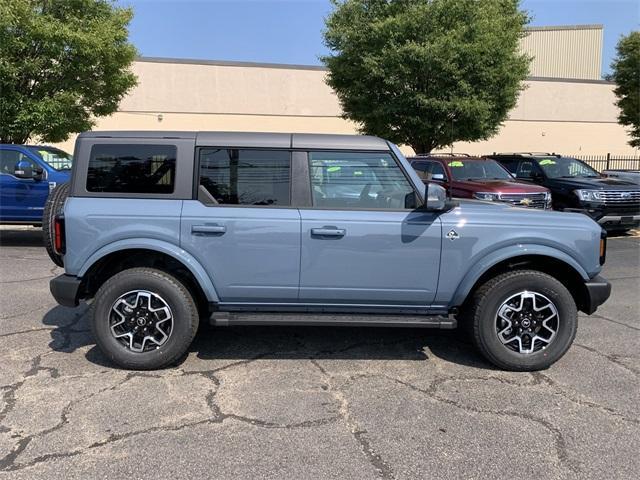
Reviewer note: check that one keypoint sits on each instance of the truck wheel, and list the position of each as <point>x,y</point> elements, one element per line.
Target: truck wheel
<point>52,207</point>
<point>143,319</point>
<point>523,320</point>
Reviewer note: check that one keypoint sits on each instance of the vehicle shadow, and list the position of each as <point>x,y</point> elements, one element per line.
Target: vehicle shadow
<point>71,332</point>
<point>21,237</point>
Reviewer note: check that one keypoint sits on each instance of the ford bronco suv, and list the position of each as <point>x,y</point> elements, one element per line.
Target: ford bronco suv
<point>464,176</point>
<point>161,230</point>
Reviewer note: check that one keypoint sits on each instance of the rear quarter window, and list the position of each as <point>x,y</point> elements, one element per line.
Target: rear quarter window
<point>132,169</point>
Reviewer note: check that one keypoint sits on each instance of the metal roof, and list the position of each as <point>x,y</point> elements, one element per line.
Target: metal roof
<point>256,139</point>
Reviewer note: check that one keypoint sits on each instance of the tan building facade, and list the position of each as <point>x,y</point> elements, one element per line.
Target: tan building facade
<point>561,115</point>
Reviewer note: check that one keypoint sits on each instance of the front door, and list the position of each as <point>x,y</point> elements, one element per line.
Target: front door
<point>362,242</point>
<point>242,228</point>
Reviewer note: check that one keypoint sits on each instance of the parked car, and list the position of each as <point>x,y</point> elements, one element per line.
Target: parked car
<point>163,229</point>
<point>27,174</point>
<point>577,187</point>
<point>464,176</point>
<point>628,175</point>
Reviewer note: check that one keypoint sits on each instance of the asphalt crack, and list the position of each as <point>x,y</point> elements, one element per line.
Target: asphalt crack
<point>560,443</point>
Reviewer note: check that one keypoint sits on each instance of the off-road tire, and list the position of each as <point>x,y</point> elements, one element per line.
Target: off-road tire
<point>52,207</point>
<point>479,319</point>
<point>173,292</point>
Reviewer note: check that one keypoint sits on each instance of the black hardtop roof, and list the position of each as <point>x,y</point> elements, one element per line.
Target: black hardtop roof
<point>256,139</point>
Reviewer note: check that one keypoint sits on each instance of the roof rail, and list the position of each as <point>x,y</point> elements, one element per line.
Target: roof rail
<point>448,154</point>
<point>529,154</point>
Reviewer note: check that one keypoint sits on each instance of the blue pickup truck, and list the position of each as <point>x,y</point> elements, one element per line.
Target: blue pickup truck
<point>27,174</point>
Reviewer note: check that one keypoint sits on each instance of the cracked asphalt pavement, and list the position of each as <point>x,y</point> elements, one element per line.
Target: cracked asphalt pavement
<point>285,402</point>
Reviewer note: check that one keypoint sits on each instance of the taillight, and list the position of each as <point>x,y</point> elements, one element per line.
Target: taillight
<point>603,246</point>
<point>59,243</point>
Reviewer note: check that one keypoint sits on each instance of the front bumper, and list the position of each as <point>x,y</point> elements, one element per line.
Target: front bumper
<point>65,289</point>
<point>598,291</point>
<point>610,216</point>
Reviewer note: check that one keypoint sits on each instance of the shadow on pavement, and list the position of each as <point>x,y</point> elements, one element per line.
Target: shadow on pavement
<point>72,332</point>
<point>21,237</point>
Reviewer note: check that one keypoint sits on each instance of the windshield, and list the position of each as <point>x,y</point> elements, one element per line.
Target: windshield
<point>478,170</point>
<point>566,167</point>
<point>55,158</point>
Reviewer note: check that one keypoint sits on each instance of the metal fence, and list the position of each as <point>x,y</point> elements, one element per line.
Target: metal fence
<point>609,161</point>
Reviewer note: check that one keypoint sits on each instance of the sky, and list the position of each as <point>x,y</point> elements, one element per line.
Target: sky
<point>290,31</point>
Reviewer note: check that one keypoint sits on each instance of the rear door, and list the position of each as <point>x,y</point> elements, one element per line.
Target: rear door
<point>363,242</point>
<point>242,227</point>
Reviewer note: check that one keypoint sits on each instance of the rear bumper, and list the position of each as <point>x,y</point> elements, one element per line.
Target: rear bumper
<point>598,291</point>
<point>65,289</point>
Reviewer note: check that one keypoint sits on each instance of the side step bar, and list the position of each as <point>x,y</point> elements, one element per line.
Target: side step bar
<point>423,321</point>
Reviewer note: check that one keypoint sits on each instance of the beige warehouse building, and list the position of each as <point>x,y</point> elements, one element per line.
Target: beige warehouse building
<point>565,107</point>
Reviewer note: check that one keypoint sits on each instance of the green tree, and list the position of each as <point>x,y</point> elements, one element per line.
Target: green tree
<point>62,63</point>
<point>426,73</point>
<point>626,74</point>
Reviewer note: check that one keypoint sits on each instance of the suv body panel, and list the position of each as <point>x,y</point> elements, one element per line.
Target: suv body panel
<point>349,269</point>
<point>253,254</point>
<point>562,236</point>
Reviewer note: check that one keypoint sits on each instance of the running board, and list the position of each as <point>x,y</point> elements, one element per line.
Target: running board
<point>241,318</point>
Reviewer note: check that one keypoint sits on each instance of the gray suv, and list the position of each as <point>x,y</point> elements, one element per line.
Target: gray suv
<point>162,230</point>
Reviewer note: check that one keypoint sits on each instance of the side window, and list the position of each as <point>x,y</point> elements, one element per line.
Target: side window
<point>359,180</point>
<point>422,169</point>
<point>527,169</point>
<point>134,168</point>
<point>245,177</point>
<point>510,165</point>
<point>10,158</point>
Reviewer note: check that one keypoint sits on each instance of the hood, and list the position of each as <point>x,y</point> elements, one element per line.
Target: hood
<point>599,183</point>
<point>499,186</point>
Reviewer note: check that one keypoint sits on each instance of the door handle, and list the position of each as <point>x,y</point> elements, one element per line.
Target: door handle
<point>208,229</point>
<point>328,232</point>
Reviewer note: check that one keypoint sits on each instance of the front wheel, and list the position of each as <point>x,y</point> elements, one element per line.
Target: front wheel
<point>143,319</point>
<point>522,320</point>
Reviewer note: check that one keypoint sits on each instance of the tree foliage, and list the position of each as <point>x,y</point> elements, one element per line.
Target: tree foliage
<point>426,72</point>
<point>626,74</point>
<point>62,63</point>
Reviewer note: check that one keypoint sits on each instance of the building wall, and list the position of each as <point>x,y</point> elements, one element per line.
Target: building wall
<point>565,51</point>
<point>552,114</point>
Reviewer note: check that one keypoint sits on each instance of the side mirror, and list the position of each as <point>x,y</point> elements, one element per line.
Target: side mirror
<point>438,176</point>
<point>23,170</point>
<point>435,197</point>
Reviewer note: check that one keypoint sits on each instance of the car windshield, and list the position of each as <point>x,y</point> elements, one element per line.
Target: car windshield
<point>55,158</point>
<point>566,167</point>
<point>465,169</point>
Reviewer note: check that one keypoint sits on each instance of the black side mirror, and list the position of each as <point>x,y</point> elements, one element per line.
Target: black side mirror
<point>23,170</point>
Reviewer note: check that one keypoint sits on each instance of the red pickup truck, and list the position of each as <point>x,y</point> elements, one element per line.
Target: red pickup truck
<point>481,178</point>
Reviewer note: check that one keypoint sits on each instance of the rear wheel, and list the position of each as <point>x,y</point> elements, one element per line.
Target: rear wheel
<point>52,207</point>
<point>143,319</point>
<point>523,320</point>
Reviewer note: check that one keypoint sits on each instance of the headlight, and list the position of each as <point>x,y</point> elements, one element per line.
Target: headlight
<point>548,201</point>
<point>486,196</point>
<point>588,195</point>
